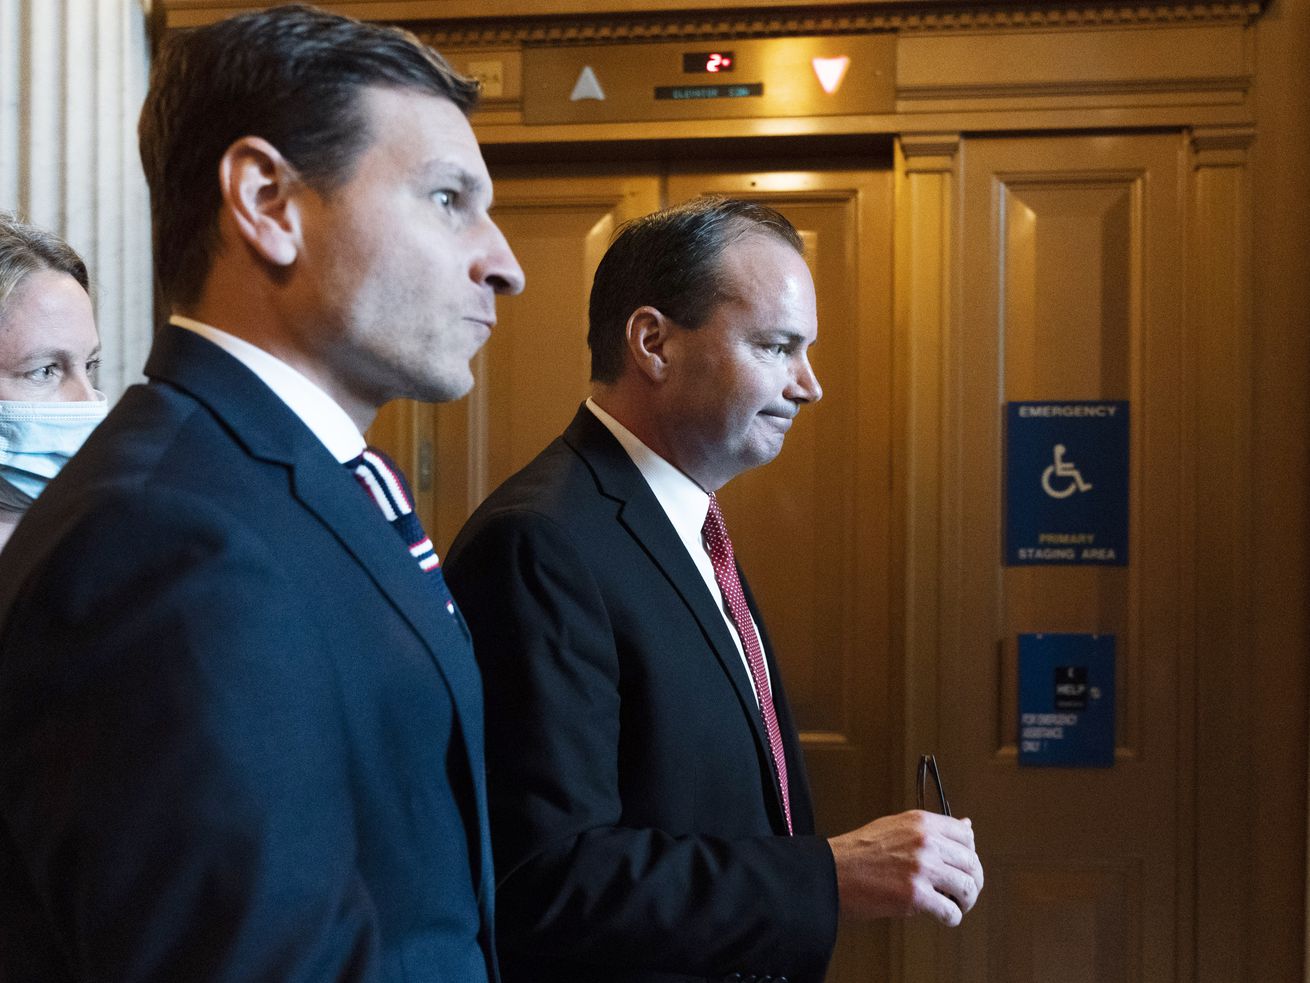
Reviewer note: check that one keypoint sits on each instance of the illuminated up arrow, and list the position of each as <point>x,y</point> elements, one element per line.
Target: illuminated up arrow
<point>831,71</point>
<point>587,86</point>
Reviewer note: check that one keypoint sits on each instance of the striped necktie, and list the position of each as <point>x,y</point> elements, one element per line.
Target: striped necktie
<point>385,483</point>
<point>725,572</point>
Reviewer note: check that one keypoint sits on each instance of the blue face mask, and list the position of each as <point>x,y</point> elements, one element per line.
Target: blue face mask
<point>36,441</point>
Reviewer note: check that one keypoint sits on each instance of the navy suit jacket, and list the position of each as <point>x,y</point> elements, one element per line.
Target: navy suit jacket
<point>638,830</point>
<point>240,732</point>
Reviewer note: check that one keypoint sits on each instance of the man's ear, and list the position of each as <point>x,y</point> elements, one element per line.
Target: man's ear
<point>648,334</point>
<point>258,186</point>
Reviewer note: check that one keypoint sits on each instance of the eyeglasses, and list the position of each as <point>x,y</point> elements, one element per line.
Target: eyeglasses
<point>928,766</point>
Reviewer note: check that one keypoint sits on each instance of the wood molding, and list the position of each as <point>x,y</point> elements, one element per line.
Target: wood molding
<point>746,23</point>
<point>917,146</point>
<point>475,23</point>
<point>1220,418</point>
<point>1214,144</point>
<point>1209,65</point>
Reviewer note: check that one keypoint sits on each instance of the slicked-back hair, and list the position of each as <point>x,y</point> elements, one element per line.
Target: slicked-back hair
<point>671,260</point>
<point>293,75</point>
<point>27,249</point>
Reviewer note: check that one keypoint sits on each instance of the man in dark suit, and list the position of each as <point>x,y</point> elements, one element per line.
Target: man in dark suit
<point>649,806</point>
<point>240,721</point>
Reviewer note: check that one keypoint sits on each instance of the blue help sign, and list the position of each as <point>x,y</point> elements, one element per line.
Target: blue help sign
<point>1066,700</point>
<point>1066,483</point>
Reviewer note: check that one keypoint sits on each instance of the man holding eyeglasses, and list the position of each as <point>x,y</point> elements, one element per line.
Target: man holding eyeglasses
<point>650,816</point>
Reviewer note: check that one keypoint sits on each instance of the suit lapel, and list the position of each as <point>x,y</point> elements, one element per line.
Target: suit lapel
<point>270,431</point>
<point>641,514</point>
<point>331,494</point>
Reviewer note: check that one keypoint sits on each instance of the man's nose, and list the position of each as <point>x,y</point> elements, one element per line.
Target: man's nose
<point>498,266</point>
<point>805,386</point>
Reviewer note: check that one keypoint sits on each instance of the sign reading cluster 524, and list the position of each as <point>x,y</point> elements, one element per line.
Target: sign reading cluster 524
<point>1067,483</point>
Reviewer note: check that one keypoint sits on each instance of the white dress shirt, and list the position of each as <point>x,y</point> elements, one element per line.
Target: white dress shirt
<point>319,411</point>
<point>686,504</point>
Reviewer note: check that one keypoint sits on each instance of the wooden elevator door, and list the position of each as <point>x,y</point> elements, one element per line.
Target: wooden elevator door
<point>811,528</point>
<point>893,637</point>
<point>1071,270</point>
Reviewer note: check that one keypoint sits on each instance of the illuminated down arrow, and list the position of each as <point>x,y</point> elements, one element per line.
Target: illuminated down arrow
<point>831,71</point>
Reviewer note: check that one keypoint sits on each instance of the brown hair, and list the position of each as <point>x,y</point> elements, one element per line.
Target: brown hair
<point>292,75</point>
<point>669,260</point>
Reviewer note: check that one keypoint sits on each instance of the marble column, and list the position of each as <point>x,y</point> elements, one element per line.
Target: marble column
<point>72,77</point>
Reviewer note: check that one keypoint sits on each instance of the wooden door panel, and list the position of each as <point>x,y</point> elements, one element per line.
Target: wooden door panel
<point>1070,266</point>
<point>1056,918</point>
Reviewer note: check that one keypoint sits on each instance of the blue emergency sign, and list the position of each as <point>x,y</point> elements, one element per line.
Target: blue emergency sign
<point>1066,483</point>
<point>1066,700</point>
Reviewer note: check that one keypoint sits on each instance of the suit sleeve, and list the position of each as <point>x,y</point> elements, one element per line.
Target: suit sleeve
<point>575,882</point>
<point>172,766</point>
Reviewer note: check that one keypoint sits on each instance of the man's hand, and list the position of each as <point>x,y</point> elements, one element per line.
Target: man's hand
<point>913,863</point>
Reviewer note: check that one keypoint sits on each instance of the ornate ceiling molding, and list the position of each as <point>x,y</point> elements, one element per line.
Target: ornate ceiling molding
<point>618,29</point>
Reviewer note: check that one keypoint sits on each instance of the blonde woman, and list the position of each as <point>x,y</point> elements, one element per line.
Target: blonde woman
<point>49,350</point>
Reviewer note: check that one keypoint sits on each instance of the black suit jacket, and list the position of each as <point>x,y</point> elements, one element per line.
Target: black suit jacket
<point>240,734</point>
<point>638,831</point>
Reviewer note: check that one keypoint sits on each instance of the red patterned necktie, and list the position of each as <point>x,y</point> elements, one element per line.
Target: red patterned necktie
<point>725,572</point>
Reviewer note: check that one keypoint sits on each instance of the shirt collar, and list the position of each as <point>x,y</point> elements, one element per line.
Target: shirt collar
<point>316,409</point>
<point>683,501</point>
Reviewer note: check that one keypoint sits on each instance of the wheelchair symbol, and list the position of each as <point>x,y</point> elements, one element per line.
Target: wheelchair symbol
<point>1063,469</point>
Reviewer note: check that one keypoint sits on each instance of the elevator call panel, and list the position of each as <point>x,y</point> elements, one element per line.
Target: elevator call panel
<point>754,78</point>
